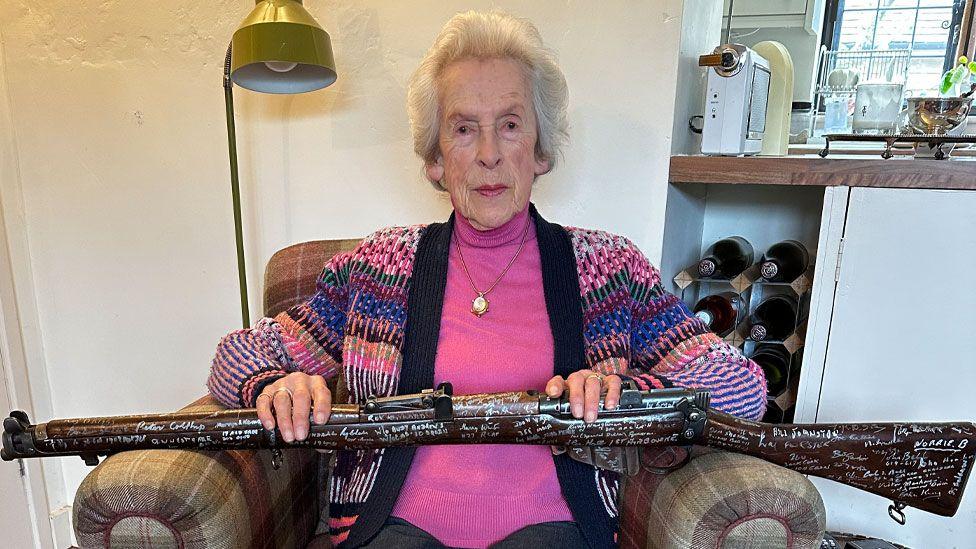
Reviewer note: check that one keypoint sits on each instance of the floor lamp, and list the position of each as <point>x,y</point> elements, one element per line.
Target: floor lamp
<point>279,48</point>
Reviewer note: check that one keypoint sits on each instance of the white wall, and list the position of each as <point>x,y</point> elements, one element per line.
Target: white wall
<point>700,32</point>
<point>117,118</point>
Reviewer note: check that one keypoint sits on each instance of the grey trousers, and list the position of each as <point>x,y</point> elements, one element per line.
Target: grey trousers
<point>400,534</point>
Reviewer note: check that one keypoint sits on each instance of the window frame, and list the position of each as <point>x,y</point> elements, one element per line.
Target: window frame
<point>957,44</point>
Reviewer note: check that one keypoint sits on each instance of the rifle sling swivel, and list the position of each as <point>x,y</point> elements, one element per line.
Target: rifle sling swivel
<point>896,512</point>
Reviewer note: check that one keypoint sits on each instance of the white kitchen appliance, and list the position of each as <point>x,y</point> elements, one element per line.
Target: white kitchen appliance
<point>735,105</point>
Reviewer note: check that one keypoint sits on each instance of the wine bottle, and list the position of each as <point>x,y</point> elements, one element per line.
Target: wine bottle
<point>775,414</point>
<point>775,363</point>
<point>774,318</point>
<point>719,311</point>
<point>726,258</point>
<point>785,261</point>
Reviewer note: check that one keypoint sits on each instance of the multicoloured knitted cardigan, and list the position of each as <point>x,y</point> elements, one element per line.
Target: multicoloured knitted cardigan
<point>607,312</point>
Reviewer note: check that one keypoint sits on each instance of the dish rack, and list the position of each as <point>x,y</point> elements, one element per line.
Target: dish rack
<point>870,65</point>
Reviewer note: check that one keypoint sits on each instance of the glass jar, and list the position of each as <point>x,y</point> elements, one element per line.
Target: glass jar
<point>800,116</point>
<point>836,111</point>
<point>876,108</point>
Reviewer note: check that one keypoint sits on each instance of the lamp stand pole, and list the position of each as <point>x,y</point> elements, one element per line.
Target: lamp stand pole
<point>235,188</point>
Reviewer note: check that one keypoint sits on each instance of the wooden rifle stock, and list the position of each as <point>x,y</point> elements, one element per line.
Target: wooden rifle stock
<point>924,465</point>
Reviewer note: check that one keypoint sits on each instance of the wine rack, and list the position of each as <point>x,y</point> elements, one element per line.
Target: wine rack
<point>752,290</point>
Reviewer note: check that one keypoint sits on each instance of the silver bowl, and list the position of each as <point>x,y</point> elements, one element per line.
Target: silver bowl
<point>937,115</point>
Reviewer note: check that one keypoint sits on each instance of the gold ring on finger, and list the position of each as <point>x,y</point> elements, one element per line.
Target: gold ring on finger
<point>291,395</point>
<point>596,375</point>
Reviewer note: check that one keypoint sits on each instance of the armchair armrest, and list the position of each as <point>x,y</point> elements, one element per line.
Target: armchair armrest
<point>719,500</point>
<point>184,498</point>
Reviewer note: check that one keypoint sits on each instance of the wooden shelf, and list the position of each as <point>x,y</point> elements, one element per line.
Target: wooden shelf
<point>852,171</point>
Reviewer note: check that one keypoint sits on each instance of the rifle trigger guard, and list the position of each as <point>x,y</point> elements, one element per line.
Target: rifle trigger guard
<point>895,512</point>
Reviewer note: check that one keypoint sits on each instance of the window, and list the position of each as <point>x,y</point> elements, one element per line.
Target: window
<point>929,29</point>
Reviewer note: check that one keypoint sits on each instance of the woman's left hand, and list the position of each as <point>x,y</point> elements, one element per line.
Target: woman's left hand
<point>585,388</point>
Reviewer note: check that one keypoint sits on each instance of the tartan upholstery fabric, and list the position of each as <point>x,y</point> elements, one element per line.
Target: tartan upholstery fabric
<point>291,272</point>
<point>759,532</point>
<point>720,500</point>
<point>289,279</point>
<point>185,499</point>
<point>192,499</point>
<point>320,541</point>
<point>139,530</point>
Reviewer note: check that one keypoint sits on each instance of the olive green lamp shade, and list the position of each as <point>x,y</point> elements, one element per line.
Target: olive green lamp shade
<point>280,48</point>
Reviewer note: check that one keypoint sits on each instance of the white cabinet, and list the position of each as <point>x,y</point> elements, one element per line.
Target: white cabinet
<point>807,14</point>
<point>766,7</point>
<point>892,320</point>
<point>902,340</point>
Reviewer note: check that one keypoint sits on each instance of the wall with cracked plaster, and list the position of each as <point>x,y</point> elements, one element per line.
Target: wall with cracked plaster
<point>118,118</point>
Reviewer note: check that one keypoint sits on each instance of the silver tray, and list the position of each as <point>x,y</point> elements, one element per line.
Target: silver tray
<point>935,141</point>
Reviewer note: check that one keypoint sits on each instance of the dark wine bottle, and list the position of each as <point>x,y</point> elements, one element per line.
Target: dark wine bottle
<point>727,258</point>
<point>774,318</point>
<point>785,261</point>
<point>719,311</point>
<point>775,414</point>
<point>775,363</point>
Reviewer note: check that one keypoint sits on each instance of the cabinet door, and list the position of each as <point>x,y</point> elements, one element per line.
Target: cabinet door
<point>901,340</point>
<point>772,14</point>
<point>749,8</point>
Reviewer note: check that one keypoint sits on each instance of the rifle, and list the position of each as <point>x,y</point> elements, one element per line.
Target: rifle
<point>923,465</point>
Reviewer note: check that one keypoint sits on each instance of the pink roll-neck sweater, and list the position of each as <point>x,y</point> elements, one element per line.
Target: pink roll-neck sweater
<point>472,496</point>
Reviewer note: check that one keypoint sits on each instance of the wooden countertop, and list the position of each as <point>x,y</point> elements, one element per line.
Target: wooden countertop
<point>855,171</point>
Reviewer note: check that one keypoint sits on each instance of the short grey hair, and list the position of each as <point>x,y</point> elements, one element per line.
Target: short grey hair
<point>489,35</point>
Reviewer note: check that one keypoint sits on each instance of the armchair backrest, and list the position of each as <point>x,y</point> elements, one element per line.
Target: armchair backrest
<point>290,275</point>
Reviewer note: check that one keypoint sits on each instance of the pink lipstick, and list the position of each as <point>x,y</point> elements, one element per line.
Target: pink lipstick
<point>491,190</point>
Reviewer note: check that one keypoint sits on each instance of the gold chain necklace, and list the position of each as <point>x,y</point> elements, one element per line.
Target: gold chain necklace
<point>479,305</point>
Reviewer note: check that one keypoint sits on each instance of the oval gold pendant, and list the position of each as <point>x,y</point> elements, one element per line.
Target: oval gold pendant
<point>479,306</point>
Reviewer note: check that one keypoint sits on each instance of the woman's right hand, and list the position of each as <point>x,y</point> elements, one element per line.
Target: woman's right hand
<point>290,400</point>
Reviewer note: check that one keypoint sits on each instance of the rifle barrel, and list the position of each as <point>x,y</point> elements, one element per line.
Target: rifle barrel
<point>502,418</point>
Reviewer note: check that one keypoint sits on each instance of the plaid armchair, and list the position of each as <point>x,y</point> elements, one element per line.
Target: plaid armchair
<point>235,499</point>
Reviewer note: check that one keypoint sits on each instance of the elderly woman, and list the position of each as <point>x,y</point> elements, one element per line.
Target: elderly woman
<point>494,299</point>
